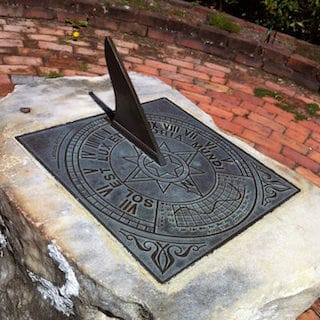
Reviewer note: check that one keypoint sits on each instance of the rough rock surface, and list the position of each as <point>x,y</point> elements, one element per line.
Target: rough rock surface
<point>66,265</point>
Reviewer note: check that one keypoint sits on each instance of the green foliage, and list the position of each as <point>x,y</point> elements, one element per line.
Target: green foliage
<point>300,18</point>
<point>286,107</point>
<point>300,112</point>
<point>220,21</point>
<point>76,23</point>
<point>312,109</point>
<point>262,92</point>
<point>300,116</point>
<point>294,16</point>
<point>53,75</point>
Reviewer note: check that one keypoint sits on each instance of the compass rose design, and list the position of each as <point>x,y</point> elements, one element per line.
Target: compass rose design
<point>178,172</point>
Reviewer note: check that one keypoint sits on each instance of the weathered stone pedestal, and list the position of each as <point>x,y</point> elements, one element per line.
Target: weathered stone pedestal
<point>73,267</point>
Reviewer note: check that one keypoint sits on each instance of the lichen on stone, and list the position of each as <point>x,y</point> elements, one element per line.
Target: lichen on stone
<point>3,243</point>
<point>59,297</point>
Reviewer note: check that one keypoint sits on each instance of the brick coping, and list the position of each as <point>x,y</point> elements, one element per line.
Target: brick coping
<point>37,45</point>
<point>273,59</point>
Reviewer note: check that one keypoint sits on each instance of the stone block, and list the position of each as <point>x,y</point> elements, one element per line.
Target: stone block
<point>79,267</point>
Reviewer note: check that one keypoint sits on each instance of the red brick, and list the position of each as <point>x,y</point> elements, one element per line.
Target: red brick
<point>276,156</point>
<point>227,125</point>
<point>16,69</point>
<point>87,52</point>
<point>303,98</point>
<point>225,98</point>
<point>247,97</point>
<point>81,43</point>
<point>126,44</point>
<point>313,145</point>
<point>188,87</point>
<point>240,111</point>
<point>300,159</point>
<point>43,37</point>
<point>310,125</point>
<point>266,122</point>
<point>179,63</point>
<point>276,87</point>
<point>54,46</point>
<point>102,33</point>
<point>30,61</point>
<point>10,35</point>
<point>158,34</point>
<point>145,69</point>
<point>133,28</point>
<point>121,50</point>
<point>176,76</point>
<point>316,306</point>
<point>217,67</point>
<point>308,315</point>
<point>240,86</point>
<point>314,155</point>
<point>219,112</point>
<point>5,89</point>
<point>215,87</point>
<point>194,74</point>
<point>297,133</point>
<point>193,43</point>
<point>39,13</point>
<point>5,79</point>
<point>314,178</point>
<point>261,140</point>
<point>274,109</point>
<point>196,97</point>
<point>54,32</point>
<point>285,119</point>
<point>165,80</point>
<point>218,80</point>
<point>209,71</point>
<point>10,43</point>
<point>160,65</point>
<point>249,106</point>
<point>93,68</point>
<point>248,61</point>
<point>131,59</point>
<point>270,100</point>
<point>16,28</point>
<point>291,143</point>
<point>106,23</point>
<point>11,11</point>
<point>302,64</point>
<point>316,136</point>
<point>254,126</point>
<point>46,70</point>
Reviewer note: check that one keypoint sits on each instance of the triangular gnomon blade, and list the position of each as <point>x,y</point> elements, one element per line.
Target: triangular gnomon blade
<point>129,118</point>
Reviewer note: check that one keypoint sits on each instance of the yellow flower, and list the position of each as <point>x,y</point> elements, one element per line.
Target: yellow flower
<point>76,34</point>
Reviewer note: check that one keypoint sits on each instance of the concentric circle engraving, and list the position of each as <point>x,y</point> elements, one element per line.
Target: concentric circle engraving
<point>204,188</point>
<point>166,216</point>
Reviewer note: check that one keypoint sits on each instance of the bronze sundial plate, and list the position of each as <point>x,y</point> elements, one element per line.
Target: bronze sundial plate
<point>167,216</point>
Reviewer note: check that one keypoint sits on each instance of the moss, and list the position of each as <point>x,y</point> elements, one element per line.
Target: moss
<point>53,75</point>
<point>84,67</point>
<point>300,116</point>
<point>312,109</point>
<point>286,107</point>
<point>222,22</point>
<point>262,92</point>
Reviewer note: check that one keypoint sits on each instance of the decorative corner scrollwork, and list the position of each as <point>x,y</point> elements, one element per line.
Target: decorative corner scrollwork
<point>271,185</point>
<point>163,254</point>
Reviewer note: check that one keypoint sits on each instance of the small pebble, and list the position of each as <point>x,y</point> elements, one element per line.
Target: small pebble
<point>25,110</point>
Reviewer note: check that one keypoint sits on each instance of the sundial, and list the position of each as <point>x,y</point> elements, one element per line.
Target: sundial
<point>168,187</point>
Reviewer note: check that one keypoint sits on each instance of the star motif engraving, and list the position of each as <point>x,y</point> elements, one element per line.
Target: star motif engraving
<point>178,171</point>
